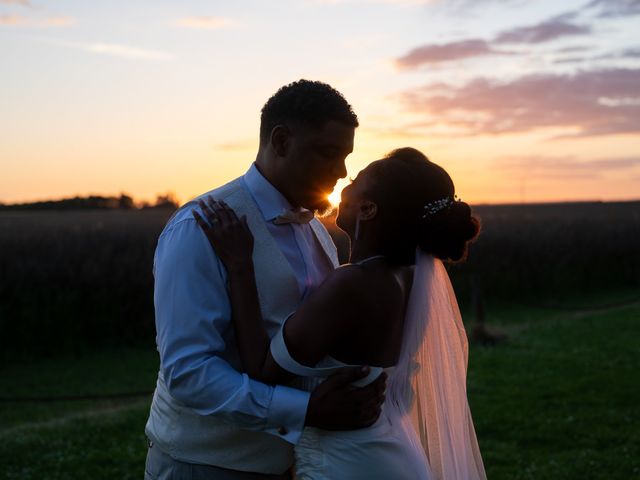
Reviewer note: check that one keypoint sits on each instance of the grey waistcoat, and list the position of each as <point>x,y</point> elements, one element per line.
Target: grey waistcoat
<point>194,438</point>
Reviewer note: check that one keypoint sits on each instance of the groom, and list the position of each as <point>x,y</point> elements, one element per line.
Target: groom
<point>207,420</point>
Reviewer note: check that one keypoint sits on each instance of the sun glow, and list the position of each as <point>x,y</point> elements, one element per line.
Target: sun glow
<point>334,197</point>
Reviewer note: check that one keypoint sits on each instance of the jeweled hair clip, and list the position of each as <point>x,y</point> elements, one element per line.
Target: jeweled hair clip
<point>436,206</point>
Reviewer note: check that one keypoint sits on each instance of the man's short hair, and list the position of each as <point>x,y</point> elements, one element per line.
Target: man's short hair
<point>307,103</point>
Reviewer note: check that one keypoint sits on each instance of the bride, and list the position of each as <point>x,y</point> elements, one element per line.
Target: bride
<point>391,308</point>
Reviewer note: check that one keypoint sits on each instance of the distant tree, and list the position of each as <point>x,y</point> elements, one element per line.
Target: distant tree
<point>168,200</point>
<point>125,202</point>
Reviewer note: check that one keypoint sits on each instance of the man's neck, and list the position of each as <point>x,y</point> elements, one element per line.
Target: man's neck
<point>272,179</point>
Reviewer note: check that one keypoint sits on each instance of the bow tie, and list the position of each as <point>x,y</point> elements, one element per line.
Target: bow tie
<point>298,215</point>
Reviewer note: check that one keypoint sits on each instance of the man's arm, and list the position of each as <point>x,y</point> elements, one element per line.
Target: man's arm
<point>192,310</point>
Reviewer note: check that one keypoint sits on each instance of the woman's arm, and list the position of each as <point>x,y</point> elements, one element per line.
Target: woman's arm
<point>309,334</point>
<point>233,242</point>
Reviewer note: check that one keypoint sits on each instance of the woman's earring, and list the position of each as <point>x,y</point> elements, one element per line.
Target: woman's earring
<point>357,234</point>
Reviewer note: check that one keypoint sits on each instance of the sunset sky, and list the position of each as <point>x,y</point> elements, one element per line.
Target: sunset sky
<point>519,100</point>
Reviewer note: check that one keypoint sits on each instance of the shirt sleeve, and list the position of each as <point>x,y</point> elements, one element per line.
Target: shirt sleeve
<point>192,312</point>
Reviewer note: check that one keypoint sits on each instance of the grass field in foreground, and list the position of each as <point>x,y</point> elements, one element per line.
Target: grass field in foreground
<point>557,400</point>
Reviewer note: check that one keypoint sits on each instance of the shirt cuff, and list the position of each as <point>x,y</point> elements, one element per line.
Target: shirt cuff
<point>287,412</point>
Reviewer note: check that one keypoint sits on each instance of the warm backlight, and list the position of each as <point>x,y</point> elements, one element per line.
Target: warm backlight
<point>334,197</point>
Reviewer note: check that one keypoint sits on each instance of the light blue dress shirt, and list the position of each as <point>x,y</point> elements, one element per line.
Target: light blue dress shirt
<point>193,319</point>
<point>297,241</point>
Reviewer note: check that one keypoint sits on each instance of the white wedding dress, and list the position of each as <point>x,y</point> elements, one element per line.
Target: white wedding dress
<point>381,451</point>
<point>425,431</point>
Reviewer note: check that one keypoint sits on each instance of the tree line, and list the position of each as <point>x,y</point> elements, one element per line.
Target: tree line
<point>122,202</point>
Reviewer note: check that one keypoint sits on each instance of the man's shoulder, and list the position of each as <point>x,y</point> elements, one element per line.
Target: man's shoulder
<point>226,192</point>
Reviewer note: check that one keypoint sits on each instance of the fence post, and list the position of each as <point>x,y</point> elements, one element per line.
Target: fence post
<point>479,333</point>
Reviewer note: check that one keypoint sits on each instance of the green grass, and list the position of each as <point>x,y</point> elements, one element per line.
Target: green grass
<point>77,439</point>
<point>100,373</point>
<point>108,446</point>
<point>557,400</point>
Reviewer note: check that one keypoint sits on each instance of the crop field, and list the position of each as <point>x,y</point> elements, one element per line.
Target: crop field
<point>74,281</point>
<point>553,397</point>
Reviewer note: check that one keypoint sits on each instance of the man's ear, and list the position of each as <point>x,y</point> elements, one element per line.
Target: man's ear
<point>368,210</point>
<point>280,139</point>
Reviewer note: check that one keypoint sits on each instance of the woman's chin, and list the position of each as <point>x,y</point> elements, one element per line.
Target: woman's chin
<point>340,222</point>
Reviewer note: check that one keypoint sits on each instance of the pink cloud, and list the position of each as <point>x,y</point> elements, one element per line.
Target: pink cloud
<point>628,53</point>
<point>546,31</point>
<point>24,3</point>
<point>631,53</point>
<point>436,53</point>
<point>542,32</point>
<point>615,8</point>
<point>566,167</point>
<point>600,102</point>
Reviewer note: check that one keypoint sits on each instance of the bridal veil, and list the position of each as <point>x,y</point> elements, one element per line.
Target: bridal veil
<point>428,387</point>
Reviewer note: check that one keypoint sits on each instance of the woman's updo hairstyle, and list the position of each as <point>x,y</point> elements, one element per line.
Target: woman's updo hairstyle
<point>404,183</point>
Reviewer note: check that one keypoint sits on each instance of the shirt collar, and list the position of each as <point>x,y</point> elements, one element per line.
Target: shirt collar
<point>270,201</point>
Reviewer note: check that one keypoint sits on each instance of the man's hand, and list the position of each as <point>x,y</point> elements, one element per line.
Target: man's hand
<point>336,405</point>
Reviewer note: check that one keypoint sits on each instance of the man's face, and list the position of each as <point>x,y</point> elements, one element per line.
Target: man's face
<point>315,161</point>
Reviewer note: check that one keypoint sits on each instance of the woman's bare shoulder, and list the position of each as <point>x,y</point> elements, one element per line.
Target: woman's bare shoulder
<point>327,315</point>
<point>349,280</point>
<point>342,291</point>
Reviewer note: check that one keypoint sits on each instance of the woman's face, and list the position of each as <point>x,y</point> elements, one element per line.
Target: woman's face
<point>351,199</point>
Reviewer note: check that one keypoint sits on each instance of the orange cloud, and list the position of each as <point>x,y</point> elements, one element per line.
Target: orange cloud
<point>58,21</point>
<point>12,20</point>
<point>249,144</point>
<point>18,20</point>
<point>117,50</point>
<point>206,22</point>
